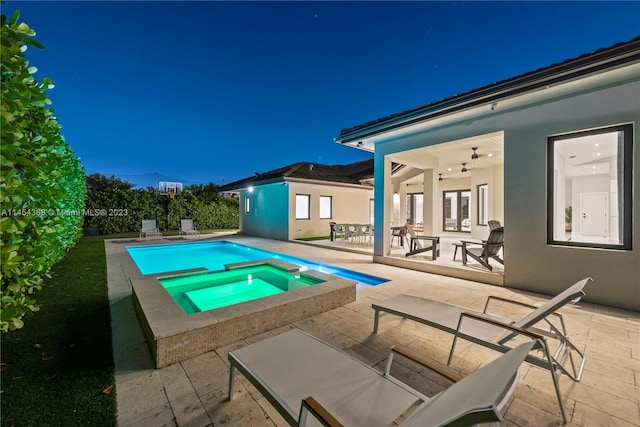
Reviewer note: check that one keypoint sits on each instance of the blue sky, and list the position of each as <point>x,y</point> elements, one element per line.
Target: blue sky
<point>203,91</point>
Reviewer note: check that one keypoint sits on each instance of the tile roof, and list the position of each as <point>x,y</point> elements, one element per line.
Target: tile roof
<point>559,68</point>
<point>351,174</point>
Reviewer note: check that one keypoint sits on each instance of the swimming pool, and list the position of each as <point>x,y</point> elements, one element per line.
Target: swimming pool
<point>154,259</point>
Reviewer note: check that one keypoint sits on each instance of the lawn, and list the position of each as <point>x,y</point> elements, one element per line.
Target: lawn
<point>55,370</point>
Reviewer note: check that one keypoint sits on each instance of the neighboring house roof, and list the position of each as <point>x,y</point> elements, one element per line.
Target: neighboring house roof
<point>349,174</point>
<point>594,62</point>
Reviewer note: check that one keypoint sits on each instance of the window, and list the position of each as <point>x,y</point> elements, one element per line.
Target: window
<point>589,188</point>
<point>325,207</point>
<point>455,210</point>
<point>415,212</point>
<point>246,205</point>
<point>303,206</point>
<point>483,204</point>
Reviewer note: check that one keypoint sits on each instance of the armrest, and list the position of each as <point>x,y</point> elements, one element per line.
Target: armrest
<point>318,411</point>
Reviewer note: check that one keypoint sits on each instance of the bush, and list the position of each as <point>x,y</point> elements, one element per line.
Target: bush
<point>201,203</point>
<point>42,183</point>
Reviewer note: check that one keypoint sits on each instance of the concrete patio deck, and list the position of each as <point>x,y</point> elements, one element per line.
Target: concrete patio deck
<point>194,392</point>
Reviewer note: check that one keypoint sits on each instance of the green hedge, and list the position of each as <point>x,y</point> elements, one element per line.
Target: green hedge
<point>42,186</point>
<point>114,206</point>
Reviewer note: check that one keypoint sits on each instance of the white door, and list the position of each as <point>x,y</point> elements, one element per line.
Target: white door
<point>593,214</point>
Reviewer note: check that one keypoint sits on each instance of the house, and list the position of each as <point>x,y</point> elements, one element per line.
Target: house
<point>300,200</point>
<point>549,153</point>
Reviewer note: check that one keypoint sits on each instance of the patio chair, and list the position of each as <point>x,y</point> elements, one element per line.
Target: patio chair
<point>400,233</point>
<point>489,249</point>
<point>187,228</point>
<point>493,224</point>
<point>494,331</point>
<point>416,246</point>
<point>299,374</point>
<point>149,229</point>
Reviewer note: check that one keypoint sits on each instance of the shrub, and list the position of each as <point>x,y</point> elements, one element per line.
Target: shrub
<point>42,184</point>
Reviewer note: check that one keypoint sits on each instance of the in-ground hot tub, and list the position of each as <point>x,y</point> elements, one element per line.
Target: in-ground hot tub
<point>175,333</point>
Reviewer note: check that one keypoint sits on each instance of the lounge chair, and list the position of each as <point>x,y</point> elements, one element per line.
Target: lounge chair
<point>493,331</point>
<point>187,228</point>
<point>416,246</point>
<point>149,229</point>
<point>489,249</point>
<point>300,375</point>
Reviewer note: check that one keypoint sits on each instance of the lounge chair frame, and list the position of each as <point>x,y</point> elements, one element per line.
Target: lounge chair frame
<point>149,229</point>
<point>187,228</point>
<point>256,363</point>
<point>450,318</point>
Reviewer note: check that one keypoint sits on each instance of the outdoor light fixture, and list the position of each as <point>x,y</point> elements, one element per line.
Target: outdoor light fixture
<point>360,143</point>
<point>440,177</point>
<point>474,156</point>
<point>464,168</point>
<point>494,106</point>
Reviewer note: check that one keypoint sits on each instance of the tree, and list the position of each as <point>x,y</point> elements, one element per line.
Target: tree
<point>42,184</point>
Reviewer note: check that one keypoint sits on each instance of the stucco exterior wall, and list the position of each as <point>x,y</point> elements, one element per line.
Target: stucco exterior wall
<point>530,263</point>
<point>268,216</point>
<point>349,205</point>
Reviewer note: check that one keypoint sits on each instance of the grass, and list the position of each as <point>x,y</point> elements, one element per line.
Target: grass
<point>55,368</point>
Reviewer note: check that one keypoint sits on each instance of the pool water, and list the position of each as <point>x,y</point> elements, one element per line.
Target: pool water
<point>154,259</point>
<point>207,291</point>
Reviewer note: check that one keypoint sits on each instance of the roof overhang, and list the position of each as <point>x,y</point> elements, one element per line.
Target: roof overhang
<point>618,63</point>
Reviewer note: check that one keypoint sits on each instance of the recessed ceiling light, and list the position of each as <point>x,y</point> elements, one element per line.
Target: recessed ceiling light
<point>597,154</point>
<point>596,145</point>
<point>490,154</point>
<point>449,169</point>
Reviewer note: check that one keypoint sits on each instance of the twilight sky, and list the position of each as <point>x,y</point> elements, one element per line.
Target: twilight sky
<point>211,91</point>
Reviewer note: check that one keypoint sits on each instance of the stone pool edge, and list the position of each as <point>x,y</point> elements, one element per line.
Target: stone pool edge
<point>173,336</point>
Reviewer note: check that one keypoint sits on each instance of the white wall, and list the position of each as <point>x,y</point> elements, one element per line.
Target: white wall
<point>350,204</point>
<point>530,263</point>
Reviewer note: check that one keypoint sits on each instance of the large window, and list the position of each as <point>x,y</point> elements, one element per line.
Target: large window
<point>325,207</point>
<point>589,188</point>
<point>483,204</point>
<point>303,206</point>
<point>415,208</point>
<point>455,210</point>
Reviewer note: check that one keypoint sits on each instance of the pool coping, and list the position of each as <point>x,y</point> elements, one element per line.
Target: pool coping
<point>173,335</point>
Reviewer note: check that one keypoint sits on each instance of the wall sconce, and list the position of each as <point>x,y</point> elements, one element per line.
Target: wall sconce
<point>474,156</point>
<point>494,106</point>
<point>440,177</point>
<point>464,168</point>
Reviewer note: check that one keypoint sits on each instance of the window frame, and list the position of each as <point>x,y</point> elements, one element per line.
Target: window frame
<point>308,197</point>
<point>459,218</point>
<point>320,198</point>
<point>626,194</point>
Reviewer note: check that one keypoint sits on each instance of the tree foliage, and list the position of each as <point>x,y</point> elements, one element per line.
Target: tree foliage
<point>114,206</point>
<point>42,184</point>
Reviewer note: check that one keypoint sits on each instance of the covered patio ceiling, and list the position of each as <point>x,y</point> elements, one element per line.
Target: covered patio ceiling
<point>450,155</point>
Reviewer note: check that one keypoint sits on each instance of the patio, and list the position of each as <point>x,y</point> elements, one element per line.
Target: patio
<point>194,392</point>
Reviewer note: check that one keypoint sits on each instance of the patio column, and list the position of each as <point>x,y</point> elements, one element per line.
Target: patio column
<point>383,205</point>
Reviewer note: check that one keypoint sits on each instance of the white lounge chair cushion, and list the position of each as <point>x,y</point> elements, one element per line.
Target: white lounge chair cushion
<point>295,365</point>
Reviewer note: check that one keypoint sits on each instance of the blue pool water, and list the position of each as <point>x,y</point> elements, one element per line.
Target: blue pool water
<point>153,259</point>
